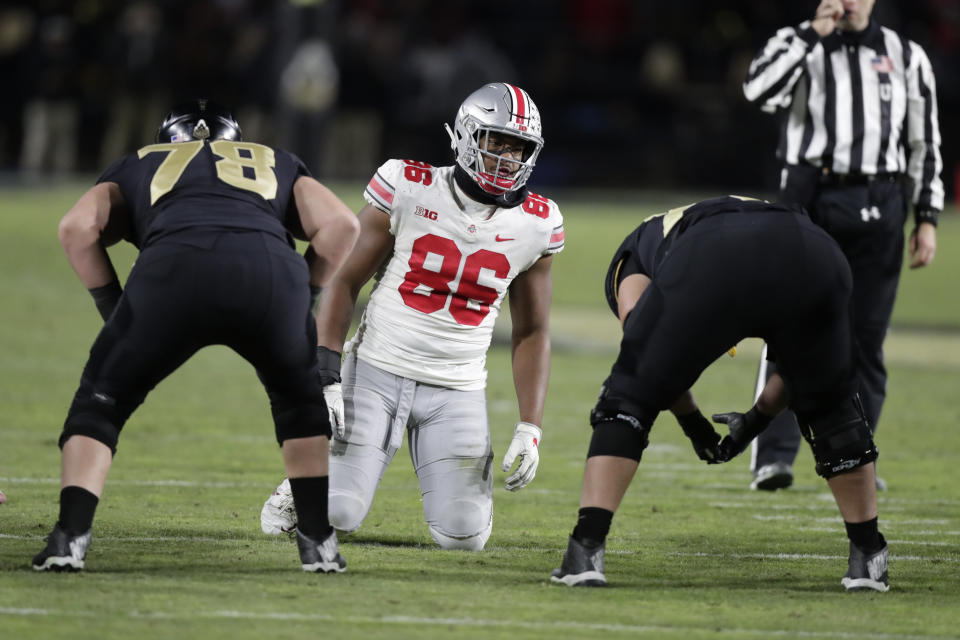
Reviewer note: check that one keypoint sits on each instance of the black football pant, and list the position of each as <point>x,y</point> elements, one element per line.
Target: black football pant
<point>867,222</point>
<point>246,290</point>
<point>770,274</point>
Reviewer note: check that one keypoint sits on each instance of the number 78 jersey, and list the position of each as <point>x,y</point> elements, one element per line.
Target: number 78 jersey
<point>431,314</point>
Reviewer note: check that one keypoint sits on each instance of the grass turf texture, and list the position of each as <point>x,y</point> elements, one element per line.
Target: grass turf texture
<point>177,550</point>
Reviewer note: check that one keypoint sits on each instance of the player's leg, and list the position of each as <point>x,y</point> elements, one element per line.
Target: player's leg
<point>450,448</point>
<point>144,341</point>
<point>276,333</point>
<point>664,349</point>
<point>376,405</point>
<point>816,353</point>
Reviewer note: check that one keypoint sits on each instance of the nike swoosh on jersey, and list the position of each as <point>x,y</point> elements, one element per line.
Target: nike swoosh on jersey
<point>499,239</point>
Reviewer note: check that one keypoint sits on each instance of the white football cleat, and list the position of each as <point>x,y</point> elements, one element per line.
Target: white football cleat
<point>278,514</point>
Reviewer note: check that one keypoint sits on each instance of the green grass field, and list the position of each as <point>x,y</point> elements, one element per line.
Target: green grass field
<point>177,549</point>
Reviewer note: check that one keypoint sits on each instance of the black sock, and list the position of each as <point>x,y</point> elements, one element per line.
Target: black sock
<point>593,525</point>
<point>310,501</point>
<point>865,535</point>
<point>77,506</point>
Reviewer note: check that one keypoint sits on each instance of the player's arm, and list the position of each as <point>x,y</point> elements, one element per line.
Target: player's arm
<point>97,220</point>
<point>744,427</point>
<point>530,295</point>
<point>373,247</point>
<point>329,226</point>
<point>628,293</point>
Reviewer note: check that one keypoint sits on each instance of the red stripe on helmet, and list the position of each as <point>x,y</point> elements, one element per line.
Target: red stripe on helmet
<point>521,105</point>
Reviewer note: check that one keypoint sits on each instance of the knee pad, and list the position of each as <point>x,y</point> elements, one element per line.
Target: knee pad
<point>97,415</point>
<point>303,419</point>
<point>346,512</point>
<point>465,542</point>
<point>841,439</point>
<point>617,431</point>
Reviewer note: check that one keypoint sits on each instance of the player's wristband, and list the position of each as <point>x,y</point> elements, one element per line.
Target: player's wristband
<point>692,424</point>
<point>106,298</point>
<point>755,422</point>
<point>328,365</point>
<point>926,215</point>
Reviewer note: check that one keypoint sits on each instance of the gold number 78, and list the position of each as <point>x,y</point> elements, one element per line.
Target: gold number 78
<point>234,157</point>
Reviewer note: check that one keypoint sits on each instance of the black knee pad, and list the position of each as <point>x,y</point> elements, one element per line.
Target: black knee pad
<point>617,431</point>
<point>299,419</point>
<point>841,439</point>
<point>97,415</point>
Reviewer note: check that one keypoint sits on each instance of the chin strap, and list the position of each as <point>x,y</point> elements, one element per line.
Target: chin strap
<point>507,200</point>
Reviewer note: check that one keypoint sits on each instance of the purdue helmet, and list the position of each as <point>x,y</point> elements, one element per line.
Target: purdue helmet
<point>198,120</point>
<point>496,108</point>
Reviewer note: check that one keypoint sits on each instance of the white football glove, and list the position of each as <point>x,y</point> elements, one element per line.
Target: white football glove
<point>333,396</point>
<point>526,439</point>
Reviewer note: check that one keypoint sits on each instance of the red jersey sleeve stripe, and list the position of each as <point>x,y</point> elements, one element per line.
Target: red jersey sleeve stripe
<point>381,188</point>
<point>557,236</point>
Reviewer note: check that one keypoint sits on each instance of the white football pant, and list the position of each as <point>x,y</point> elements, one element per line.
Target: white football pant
<point>449,441</point>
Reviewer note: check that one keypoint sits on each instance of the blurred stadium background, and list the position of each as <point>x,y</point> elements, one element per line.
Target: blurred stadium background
<point>636,93</point>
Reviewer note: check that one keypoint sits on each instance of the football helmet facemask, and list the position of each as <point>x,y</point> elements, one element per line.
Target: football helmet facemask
<point>198,120</point>
<point>496,119</point>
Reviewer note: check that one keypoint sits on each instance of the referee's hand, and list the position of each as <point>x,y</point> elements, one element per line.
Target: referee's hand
<point>923,245</point>
<point>828,14</point>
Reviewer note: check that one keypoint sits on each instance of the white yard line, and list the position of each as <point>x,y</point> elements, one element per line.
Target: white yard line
<point>149,483</point>
<point>480,623</point>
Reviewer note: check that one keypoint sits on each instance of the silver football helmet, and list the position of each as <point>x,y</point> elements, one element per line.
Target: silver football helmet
<point>503,109</point>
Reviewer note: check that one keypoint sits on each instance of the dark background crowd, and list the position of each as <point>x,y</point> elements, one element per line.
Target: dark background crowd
<point>638,93</point>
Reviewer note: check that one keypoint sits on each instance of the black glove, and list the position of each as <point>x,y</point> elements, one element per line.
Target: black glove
<point>744,427</point>
<point>328,365</point>
<point>702,435</point>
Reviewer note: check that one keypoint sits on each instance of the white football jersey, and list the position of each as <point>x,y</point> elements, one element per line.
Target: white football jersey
<point>431,314</point>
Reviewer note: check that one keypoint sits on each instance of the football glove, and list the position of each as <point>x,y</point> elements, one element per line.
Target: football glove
<point>744,427</point>
<point>703,436</point>
<point>526,439</point>
<point>333,396</point>
<point>328,370</point>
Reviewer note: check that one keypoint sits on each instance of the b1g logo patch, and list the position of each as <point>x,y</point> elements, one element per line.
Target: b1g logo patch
<point>423,212</point>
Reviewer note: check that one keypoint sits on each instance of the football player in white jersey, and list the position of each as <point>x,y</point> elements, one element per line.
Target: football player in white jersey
<point>445,245</point>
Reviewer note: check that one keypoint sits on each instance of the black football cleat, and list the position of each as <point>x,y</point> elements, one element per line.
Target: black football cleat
<point>64,552</point>
<point>320,556</point>
<point>867,570</point>
<point>582,566</point>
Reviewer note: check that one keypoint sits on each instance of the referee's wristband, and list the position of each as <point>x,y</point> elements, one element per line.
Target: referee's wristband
<point>106,298</point>
<point>926,215</point>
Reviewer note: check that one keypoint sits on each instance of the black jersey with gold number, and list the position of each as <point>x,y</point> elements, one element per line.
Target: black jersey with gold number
<point>645,248</point>
<point>220,184</point>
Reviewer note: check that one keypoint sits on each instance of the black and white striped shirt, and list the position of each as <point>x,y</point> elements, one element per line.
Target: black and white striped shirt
<point>861,102</point>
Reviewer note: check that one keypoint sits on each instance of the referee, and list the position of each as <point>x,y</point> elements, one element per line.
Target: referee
<point>859,140</point>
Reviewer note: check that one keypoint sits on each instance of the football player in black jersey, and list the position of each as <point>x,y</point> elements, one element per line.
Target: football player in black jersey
<point>213,217</point>
<point>686,286</point>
